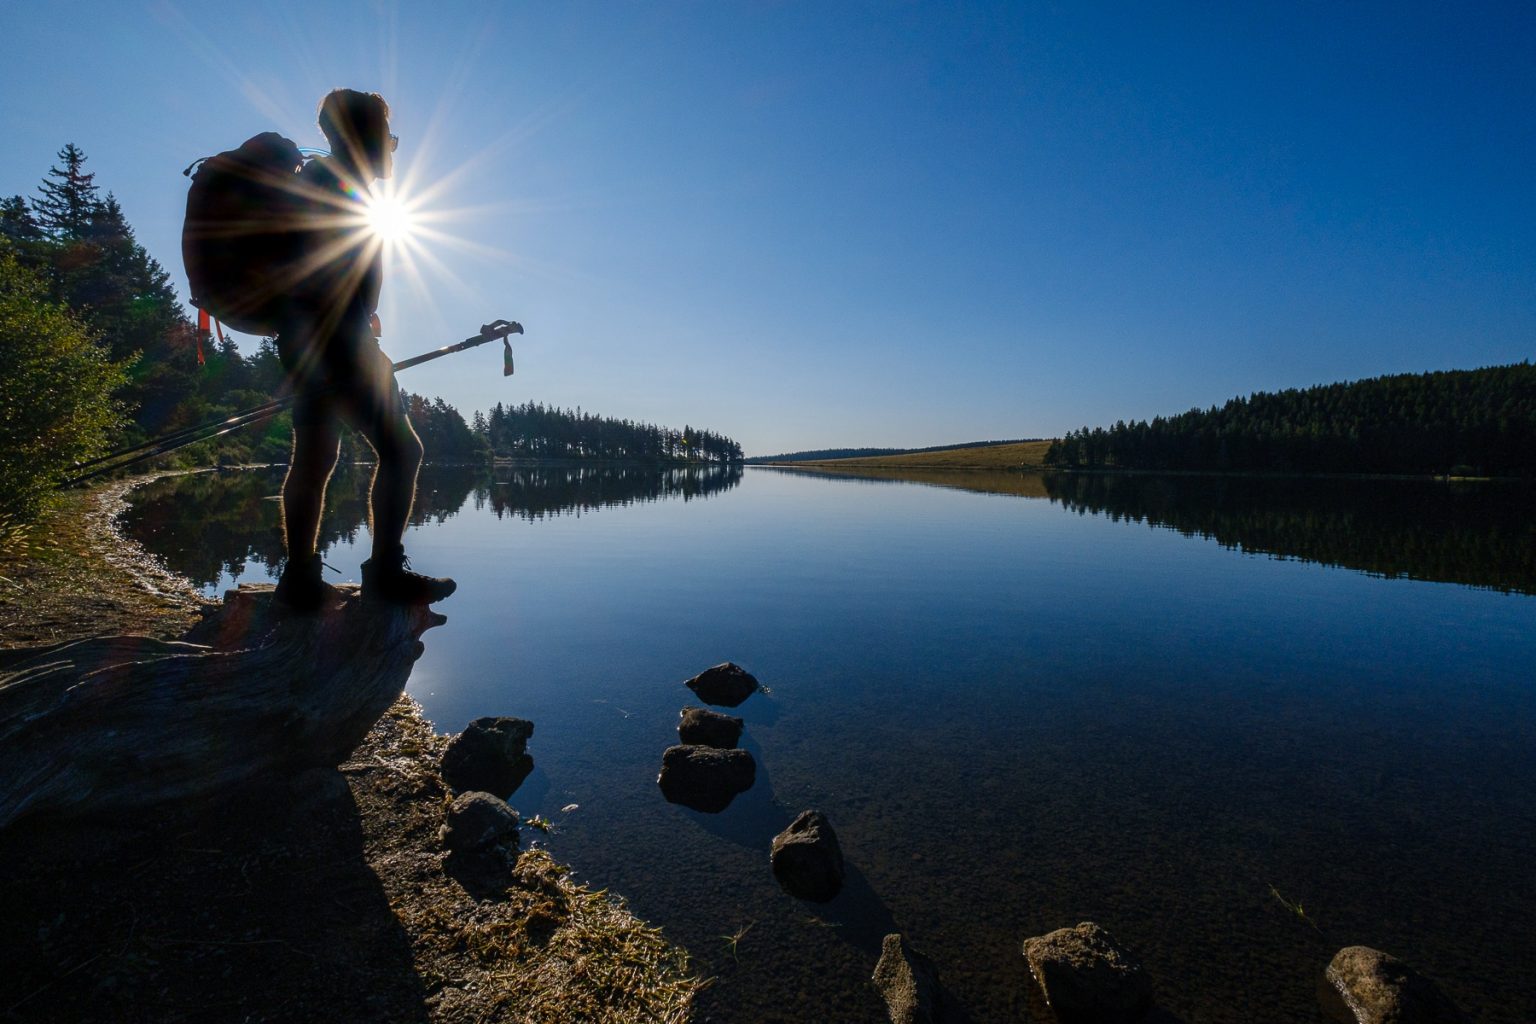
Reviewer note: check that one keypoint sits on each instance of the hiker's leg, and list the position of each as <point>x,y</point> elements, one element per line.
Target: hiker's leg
<point>316,446</point>
<point>393,490</point>
<point>382,421</point>
<point>376,409</point>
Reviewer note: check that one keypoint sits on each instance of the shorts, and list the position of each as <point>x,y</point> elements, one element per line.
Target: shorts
<point>345,375</point>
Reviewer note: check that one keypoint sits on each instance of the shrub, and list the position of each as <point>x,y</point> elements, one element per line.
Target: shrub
<point>56,394</point>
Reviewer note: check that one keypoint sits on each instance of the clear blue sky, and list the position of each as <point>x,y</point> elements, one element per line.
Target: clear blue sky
<point>829,224</point>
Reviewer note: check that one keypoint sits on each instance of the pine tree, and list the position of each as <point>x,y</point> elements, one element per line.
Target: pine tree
<point>17,222</point>
<point>65,204</point>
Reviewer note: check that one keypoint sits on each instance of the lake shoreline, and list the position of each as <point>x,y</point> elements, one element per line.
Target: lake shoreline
<point>1031,470</point>
<point>330,883</point>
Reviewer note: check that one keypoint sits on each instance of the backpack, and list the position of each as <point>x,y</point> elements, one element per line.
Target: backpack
<point>241,239</point>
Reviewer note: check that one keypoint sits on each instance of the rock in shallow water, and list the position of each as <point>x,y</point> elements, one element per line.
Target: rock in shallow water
<point>706,728</point>
<point>1086,977</point>
<point>725,685</point>
<point>480,825</point>
<point>806,858</point>
<point>1366,986</point>
<point>705,778</point>
<point>908,982</point>
<point>490,755</point>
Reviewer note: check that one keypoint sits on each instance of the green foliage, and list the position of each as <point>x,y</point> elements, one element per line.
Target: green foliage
<point>1478,420</point>
<point>56,387</point>
<point>444,435</point>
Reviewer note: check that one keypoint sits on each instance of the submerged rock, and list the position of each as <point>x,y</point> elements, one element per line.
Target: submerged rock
<point>705,778</point>
<point>1366,986</point>
<point>908,982</point>
<point>725,685</point>
<point>706,728</point>
<point>806,858</point>
<point>1086,977</point>
<point>480,827</point>
<point>490,755</point>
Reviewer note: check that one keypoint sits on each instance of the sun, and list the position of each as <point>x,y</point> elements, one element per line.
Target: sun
<point>390,219</point>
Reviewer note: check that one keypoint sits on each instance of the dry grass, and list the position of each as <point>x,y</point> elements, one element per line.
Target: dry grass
<point>544,949</point>
<point>1024,455</point>
<point>72,574</point>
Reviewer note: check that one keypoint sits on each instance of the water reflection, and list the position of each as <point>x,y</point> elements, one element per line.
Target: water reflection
<point>1480,534</point>
<point>985,481</point>
<point>534,492</point>
<point>1476,533</point>
<point>213,527</point>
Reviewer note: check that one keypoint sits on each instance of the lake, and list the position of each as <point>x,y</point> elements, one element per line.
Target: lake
<point>1181,707</point>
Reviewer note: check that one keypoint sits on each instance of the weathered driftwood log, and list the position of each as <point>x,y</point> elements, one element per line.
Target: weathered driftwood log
<point>125,723</point>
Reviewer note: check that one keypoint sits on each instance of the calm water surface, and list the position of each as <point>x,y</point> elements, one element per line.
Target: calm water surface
<point>1022,702</point>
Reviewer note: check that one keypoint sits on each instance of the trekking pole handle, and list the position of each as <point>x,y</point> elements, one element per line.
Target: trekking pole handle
<point>499,329</point>
<point>488,332</point>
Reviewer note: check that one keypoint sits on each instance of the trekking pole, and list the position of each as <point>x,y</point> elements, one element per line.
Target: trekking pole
<point>495,330</point>
<point>200,431</point>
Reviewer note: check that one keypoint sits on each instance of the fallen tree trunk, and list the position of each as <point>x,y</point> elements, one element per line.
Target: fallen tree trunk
<point>122,723</point>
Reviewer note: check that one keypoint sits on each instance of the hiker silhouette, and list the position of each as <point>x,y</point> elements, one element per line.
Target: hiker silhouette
<point>326,341</point>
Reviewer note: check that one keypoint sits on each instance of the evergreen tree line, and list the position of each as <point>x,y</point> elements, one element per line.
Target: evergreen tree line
<point>532,430</point>
<point>1460,422</point>
<point>97,354</point>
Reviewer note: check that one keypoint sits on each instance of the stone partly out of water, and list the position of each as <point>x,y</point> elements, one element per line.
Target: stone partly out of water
<point>705,778</point>
<point>1366,986</point>
<point>1084,977</point>
<point>490,755</point>
<point>908,982</point>
<point>707,728</point>
<point>480,828</point>
<point>806,858</point>
<point>725,685</point>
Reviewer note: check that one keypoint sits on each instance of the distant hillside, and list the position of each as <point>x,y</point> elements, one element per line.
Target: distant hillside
<point>1459,422</point>
<point>823,453</point>
<point>980,455</point>
<point>829,454</point>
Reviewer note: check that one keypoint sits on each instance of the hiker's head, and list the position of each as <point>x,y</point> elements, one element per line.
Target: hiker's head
<point>356,124</point>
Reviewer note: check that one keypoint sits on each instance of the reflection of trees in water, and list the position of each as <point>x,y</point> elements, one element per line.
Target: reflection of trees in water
<point>210,524</point>
<point>533,492</point>
<point>1477,534</point>
<point>984,481</point>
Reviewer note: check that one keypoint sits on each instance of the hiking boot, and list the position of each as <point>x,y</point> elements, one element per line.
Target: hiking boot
<point>300,588</point>
<point>388,577</point>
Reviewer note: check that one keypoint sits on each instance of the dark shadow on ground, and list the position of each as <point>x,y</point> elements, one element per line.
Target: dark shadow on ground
<point>263,909</point>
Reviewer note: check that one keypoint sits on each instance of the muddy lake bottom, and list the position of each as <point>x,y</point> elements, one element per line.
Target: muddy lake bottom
<point>1179,708</point>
